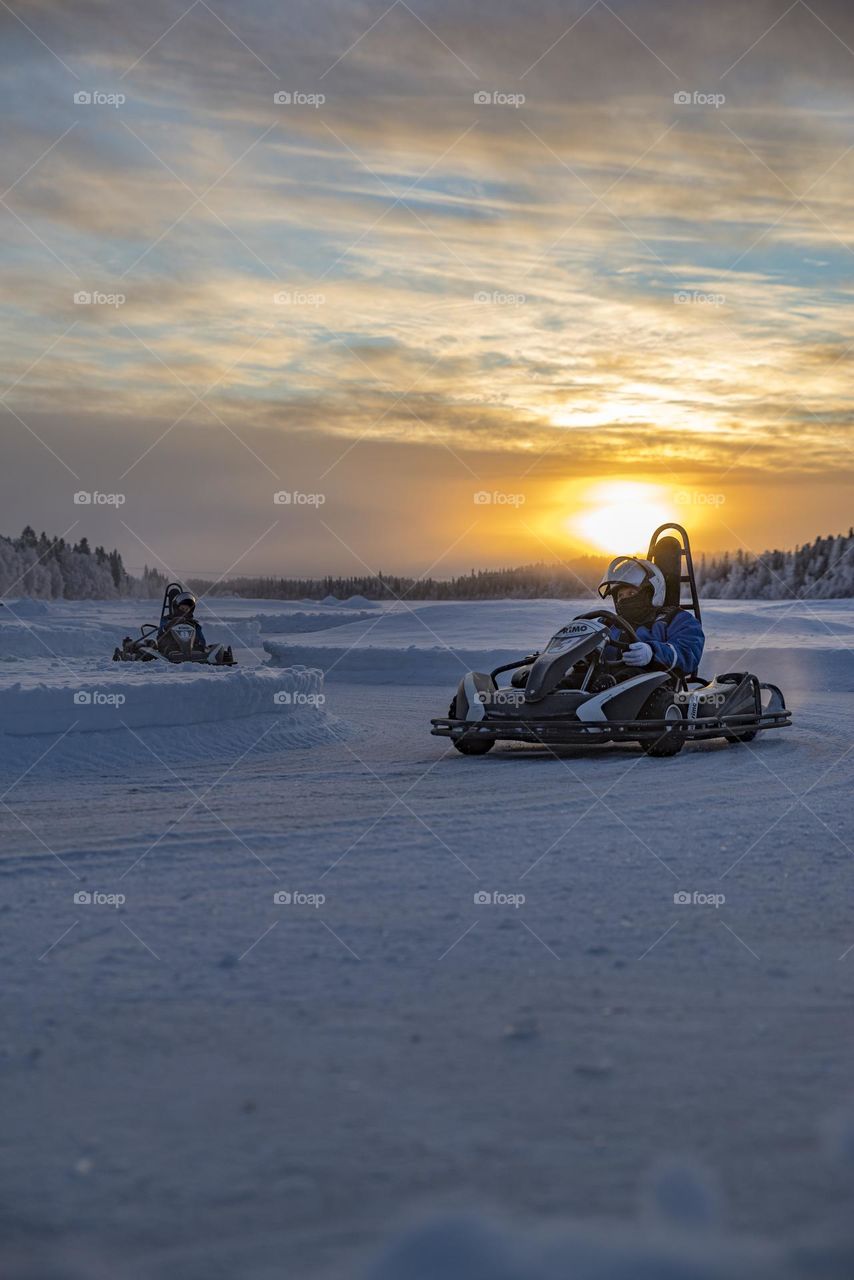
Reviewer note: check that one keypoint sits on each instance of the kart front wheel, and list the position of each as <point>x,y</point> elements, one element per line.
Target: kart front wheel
<point>661,705</point>
<point>474,744</point>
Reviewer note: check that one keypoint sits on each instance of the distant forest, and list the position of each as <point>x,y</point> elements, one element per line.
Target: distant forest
<point>820,570</point>
<point>53,569</point>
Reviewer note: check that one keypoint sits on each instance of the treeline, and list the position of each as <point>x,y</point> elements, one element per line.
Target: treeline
<point>53,569</point>
<point>529,582</point>
<point>819,570</point>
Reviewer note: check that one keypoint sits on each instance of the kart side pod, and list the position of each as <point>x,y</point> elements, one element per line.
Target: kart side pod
<point>735,693</point>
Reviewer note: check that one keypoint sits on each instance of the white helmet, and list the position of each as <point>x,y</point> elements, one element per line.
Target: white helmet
<point>631,571</point>
<point>182,598</point>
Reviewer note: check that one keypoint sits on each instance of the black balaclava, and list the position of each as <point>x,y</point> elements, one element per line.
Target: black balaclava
<point>637,609</point>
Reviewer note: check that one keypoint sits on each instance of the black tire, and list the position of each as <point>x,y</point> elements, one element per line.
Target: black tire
<point>661,705</point>
<point>736,738</point>
<point>474,745</point>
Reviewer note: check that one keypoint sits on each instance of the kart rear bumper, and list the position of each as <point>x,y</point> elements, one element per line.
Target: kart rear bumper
<point>150,653</point>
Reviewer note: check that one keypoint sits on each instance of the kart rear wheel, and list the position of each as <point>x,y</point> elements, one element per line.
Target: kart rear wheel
<point>474,744</point>
<point>661,705</point>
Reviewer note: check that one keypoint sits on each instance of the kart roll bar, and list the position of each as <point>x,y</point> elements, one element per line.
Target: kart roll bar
<point>668,553</point>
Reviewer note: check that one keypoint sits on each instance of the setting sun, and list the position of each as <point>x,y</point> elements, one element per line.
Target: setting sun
<point>619,516</point>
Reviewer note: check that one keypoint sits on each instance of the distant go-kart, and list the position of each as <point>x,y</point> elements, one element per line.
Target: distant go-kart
<point>571,695</point>
<point>175,642</point>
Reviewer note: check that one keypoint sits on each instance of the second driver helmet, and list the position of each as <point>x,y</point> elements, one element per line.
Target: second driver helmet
<point>182,600</point>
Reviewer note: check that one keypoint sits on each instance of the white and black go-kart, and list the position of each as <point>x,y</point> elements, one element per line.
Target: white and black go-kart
<point>177,642</point>
<point>571,694</point>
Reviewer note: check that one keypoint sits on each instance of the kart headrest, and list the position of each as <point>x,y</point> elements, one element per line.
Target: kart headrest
<point>667,556</point>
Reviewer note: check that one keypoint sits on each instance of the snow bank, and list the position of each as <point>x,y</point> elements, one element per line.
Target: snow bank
<point>24,640</point>
<point>296,623</point>
<point>800,646</point>
<point>359,602</point>
<point>23,608</point>
<point>805,669</point>
<point>681,1235</point>
<point>113,720</point>
<point>141,696</point>
<point>461,1248</point>
<point>378,665</point>
<point>471,1248</point>
<point>802,670</point>
<point>220,629</point>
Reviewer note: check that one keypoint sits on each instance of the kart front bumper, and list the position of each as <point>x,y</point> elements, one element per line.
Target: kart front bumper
<point>574,732</point>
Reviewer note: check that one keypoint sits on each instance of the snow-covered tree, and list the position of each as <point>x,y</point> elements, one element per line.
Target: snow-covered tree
<point>50,569</point>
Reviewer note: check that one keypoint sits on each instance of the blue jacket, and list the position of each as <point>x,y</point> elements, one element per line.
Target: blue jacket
<point>677,645</point>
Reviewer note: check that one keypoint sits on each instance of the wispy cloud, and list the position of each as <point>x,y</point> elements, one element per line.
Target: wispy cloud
<point>604,276</point>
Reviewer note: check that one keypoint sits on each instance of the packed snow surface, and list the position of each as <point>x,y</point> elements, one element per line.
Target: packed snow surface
<point>294,989</point>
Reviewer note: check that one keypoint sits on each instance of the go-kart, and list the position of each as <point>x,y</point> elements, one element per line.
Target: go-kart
<point>173,640</point>
<point>572,694</point>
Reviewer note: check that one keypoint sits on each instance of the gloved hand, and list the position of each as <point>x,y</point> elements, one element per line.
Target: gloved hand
<point>638,654</point>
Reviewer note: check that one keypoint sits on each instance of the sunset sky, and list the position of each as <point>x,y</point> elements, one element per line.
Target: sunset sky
<point>500,282</point>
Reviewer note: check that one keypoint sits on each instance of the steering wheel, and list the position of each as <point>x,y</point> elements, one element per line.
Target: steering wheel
<point>614,620</point>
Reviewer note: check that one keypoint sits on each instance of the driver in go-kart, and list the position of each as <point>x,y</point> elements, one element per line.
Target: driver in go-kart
<point>180,608</point>
<point>668,638</point>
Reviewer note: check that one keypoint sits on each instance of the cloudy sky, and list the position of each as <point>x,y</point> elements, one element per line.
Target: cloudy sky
<point>468,283</point>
